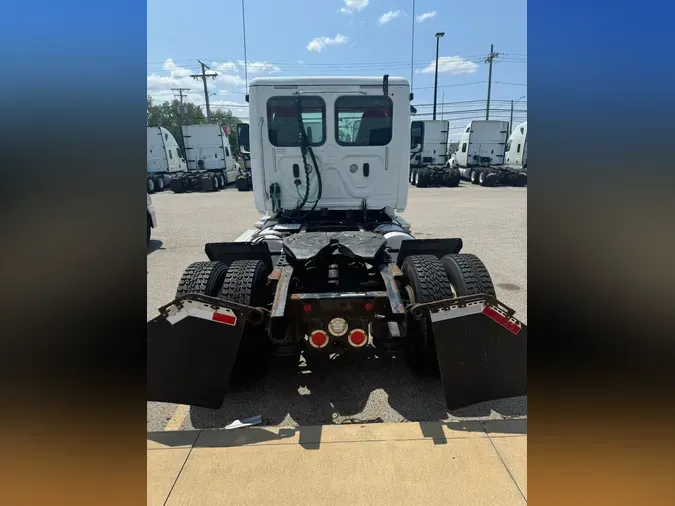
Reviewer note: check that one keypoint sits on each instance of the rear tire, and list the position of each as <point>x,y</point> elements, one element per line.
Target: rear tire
<point>481,178</point>
<point>151,186</point>
<point>204,278</point>
<point>422,179</point>
<point>427,278</point>
<point>246,283</point>
<point>521,180</point>
<point>159,184</point>
<point>176,185</point>
<point>205,184</point>
<point>468,274</point>
<point>474,177</point>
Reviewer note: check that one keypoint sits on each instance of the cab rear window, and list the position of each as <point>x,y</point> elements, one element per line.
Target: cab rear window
<point>363,120</point>
<point>283,125</point>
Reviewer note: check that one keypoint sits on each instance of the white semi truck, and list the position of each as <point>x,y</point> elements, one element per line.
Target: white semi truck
<point>332,268</point>
<point>164,159</point>
<point>480,155</point>
<point>429,154</point>
<point>516,148</point>
<point>210,164</point>
<point>207,148</point>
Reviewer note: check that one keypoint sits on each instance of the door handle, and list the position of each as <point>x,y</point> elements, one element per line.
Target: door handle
<point>296,170</point>
<point>366,169</point>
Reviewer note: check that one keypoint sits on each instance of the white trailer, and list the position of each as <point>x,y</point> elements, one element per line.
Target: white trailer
<point>164,158</point>
<point>429,154</point>
<point>480,154</point>
<point>516,148</point>
<point>208,149</point>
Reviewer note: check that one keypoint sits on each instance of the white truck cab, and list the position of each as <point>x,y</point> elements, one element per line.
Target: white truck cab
<point>516,147</point>
<point>208,148</point>
<point>429,142</point>
<point>358,130</point>
<point>164,154</point>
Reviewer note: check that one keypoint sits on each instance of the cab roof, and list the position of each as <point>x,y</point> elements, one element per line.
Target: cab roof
<point>326,81</point>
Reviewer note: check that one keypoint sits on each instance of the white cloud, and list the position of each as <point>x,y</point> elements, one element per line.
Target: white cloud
<point>319,44</point>
<point>451,64</point>
<point>344,10</point>
<point>159,85</point>
<point>231,80</point>
<point>226,67</point>
<point>301,62</point>
<point>258,67</point>
<point>227,103</point>
<point>388,16</point>
<point>354,5</point>
<point>424,16</point>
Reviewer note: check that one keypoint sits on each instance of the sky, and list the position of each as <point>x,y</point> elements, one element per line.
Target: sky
<point>344,37</point>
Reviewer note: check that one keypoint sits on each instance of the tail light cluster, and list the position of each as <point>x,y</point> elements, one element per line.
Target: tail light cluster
<point>338,327</point>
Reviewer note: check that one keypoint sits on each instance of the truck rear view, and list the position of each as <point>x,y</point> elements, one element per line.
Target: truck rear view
<point>429,154</point>
<point>480,154</point>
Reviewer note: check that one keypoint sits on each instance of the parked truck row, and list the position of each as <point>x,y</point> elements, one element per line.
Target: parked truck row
<point>207,165</point>
<point>486,154</point>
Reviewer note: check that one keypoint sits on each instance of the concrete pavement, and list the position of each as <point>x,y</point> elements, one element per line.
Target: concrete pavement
<point>466,462</point>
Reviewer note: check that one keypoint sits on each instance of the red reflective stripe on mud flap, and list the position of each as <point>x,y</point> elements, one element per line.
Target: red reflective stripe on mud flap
<point>501,319</point>
<point>224,318</point>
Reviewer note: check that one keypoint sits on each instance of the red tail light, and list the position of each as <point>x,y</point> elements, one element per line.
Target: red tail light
<point>318,339</point>
<point>357,338</point>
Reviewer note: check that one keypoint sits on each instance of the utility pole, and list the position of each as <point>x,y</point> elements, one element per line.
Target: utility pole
<point>203,77</point>
<point>489,60</point>
<point>438,39</point>
<point>182,107</point>
<point>511,120</point>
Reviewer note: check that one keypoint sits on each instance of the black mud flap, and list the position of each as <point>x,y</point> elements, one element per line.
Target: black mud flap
<point>192,347</point>
<point>481,349</point>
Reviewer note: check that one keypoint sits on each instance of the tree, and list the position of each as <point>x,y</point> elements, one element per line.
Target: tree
<point>167,115</point>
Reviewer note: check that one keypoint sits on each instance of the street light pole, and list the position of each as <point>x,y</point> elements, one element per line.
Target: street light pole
<point>438,39</point>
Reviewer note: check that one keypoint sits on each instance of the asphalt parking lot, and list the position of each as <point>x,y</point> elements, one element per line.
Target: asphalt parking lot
<point>493,225</point>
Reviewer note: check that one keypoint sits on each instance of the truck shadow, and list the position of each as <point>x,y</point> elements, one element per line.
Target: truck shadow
<point>356,389</point>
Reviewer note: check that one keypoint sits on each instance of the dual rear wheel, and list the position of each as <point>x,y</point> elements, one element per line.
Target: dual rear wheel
<point>243,282</point>
<point>430,279</point>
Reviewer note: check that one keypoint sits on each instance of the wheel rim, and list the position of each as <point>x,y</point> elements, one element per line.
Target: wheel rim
<point>417,177</point>
<point>481,178</point>
<point>160,184</point>
<point>151,185</point>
